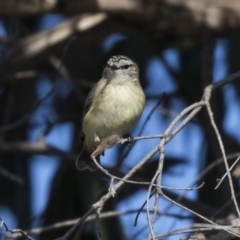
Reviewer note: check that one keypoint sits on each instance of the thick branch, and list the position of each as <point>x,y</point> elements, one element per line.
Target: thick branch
<point>33,49</point>
<point>180,17</point>
<point>161,19</point>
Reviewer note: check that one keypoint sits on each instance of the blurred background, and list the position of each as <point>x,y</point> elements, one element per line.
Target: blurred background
<point>53,52</point>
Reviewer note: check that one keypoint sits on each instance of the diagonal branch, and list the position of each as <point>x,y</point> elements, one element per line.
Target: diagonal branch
<point>33,49</point>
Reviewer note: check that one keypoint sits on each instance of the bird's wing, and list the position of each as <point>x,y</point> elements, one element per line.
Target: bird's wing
<point>98,87</point>
<point>88,102</point>
<point>93,94</point>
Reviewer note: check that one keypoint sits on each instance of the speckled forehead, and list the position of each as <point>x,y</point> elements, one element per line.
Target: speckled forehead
<point>119,61</point>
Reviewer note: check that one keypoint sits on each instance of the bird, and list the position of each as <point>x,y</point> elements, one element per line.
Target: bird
<point>113,107</point>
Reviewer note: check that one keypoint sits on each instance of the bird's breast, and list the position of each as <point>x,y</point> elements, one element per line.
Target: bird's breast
<point>114,111</point>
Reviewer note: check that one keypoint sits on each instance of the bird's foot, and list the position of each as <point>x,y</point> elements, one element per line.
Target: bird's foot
<point>127,140</point>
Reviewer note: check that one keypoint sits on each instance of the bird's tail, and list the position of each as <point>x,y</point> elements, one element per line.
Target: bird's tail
<point>84,161</point>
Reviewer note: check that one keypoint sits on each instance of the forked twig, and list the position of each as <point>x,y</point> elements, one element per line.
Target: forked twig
<point>230,169</point>
<point>224,156</point>
<point>155,183</point>
<point>14,231</point>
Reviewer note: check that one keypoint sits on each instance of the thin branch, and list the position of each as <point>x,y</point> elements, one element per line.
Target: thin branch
<point>224,156</point>
<point>199,215</point>
<point>14,231</point>
<point>141,209</point>
<point>224,206</point>
<point>62,70</point>
<point>39,147</point>
<point>203,173</point>
<point>196,227</point>
<point>18,76</point>
<point>142,138</point>
<point>138,182</point>
<point>4,172</point>
<point>27,116</point>
<point>158,176</point>
<point>151,112</point>
<point>97,228</point>
<point>195,108</point>
<point>104,198</point>
<point>91,217</point>
<point>230,169</point>
<point>229,79</point>
<point>214,164</point>
<point>77,225</point>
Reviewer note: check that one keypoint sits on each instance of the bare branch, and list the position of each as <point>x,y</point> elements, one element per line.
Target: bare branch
<point>199,227</point>
<point>107,196</point>
<point>27,116</point>
<point>39,147</point>
<point>97,228</point>
<point>190,17</point>
<point>33,49</point>
<point>230,169</point>
<point>14,231</point>
<point>4,172</point>
<point>224,156</point>
<point>158,175</point>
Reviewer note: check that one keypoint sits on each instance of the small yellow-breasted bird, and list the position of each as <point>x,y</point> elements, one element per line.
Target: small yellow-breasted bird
<point>113,107</point>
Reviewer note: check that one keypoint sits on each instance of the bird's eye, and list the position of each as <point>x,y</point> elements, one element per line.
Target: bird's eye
<point>114,67</point>
<point>125,66</point>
